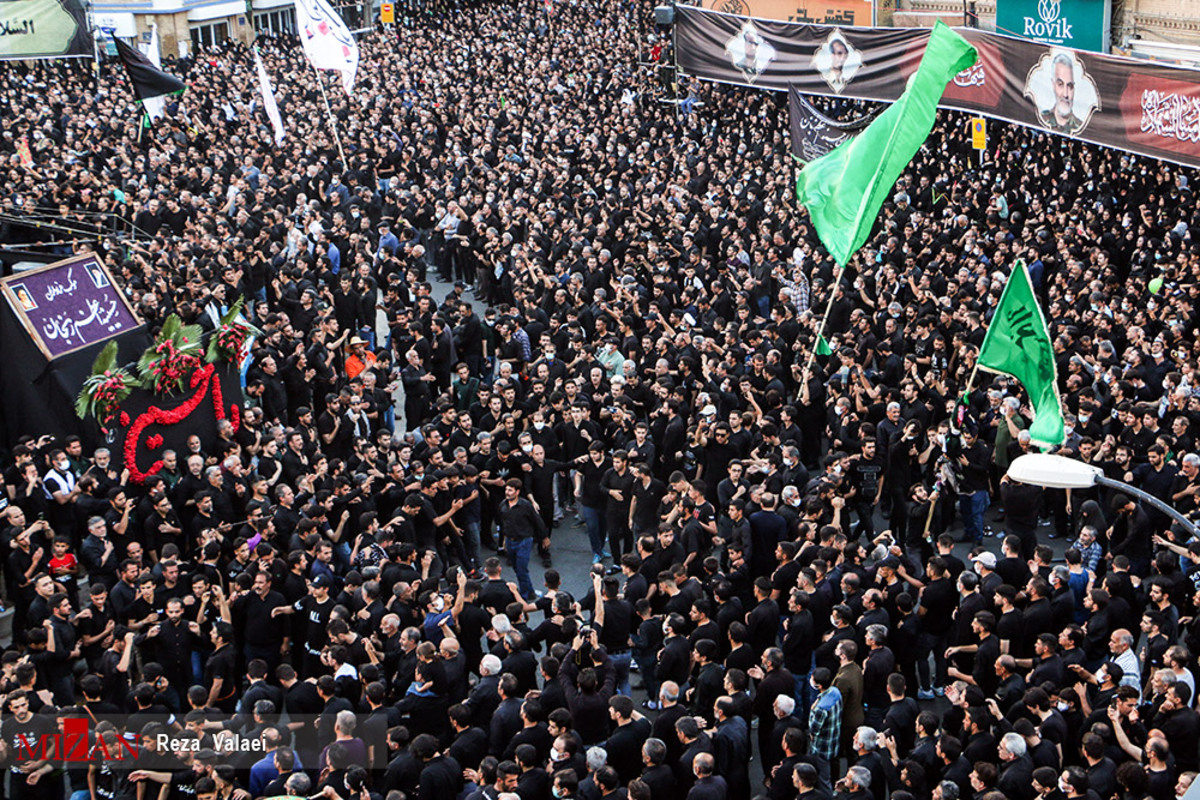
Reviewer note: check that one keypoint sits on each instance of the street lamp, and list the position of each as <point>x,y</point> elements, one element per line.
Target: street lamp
<point>1059,472</point>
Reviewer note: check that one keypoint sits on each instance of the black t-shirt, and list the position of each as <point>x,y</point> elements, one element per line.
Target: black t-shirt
<point>25,737</point>
<point>316,618</point>
<point>618,510</point>
<point>495,594</point>
<point>259,624</point>
<point>939,601</point>
<point>221,664</point>
<point>985,665</point>
<point>473,621</point>
<point>141,608</point>
<point>645,516</point>
<point>619,619</point>
<point>864,476</point>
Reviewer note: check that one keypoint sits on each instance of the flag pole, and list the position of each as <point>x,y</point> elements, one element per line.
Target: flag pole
<point>332,121</point>
<point>837,280</point>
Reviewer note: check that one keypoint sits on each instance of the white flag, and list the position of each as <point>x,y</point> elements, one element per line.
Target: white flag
<point>268,96</point>
<point>327,41</point>
<point>154,105</point>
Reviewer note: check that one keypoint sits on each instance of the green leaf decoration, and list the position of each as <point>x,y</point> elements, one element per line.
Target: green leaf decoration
<point>167,364</point>
<point>225,343</point>
<point>104,390</point>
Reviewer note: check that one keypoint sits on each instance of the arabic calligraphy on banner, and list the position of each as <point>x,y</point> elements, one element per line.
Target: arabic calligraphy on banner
<point>1140,107</point>
<point>43,29</point>
<point>69,305</point>
<point>808,12</point>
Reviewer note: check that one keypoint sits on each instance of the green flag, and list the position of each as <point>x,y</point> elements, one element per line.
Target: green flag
<point>1018,344</point>
<point>844,189</point>
<point>823,348</point>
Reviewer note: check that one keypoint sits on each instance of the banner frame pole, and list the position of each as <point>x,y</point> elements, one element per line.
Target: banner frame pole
<point>337,138</point>
<point>837,281</point>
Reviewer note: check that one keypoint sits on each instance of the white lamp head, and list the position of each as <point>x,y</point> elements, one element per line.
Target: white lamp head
<point>1053,472</point>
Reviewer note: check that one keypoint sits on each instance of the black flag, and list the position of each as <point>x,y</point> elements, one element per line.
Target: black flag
<point>148,80</point>
<point>813,133</point>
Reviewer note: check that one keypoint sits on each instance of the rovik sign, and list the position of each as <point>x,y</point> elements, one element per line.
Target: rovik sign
<point>1081,24</point>
<point>1050,25</point>
<point>72,745</point>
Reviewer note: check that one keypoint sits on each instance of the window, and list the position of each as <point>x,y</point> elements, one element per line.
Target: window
<point>278,21</point>
<point>208,36</point>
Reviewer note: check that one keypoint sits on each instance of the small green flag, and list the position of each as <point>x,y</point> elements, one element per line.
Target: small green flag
<point>823,348</point>
<point>1018,344</point>
<point>844,189</point>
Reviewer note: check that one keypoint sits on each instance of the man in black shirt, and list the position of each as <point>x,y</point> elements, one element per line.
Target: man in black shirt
<point>520,522</point>
<point>589,474</point>
<point>973,496</point>
<point>315,609</point>
<point>173,641</point>
<point>98,554</point>
<point>866,483</point>
<point>986,652</point>
<point>618,483</point>
<point>938,602</point>
<point>25,732</point>
<point>220,673</point>
<point>60,652</point>
<point>256,609</point>
<point>648,493</point>
<point>616,626</point>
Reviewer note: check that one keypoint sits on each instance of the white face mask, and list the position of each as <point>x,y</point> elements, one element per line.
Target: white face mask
<point>539,426</point>
<point>439,604</point>
<point>1063,707</point>
<point>526,448</point>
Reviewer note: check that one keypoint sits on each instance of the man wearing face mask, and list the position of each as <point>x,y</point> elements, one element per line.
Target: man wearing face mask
<point>566,784</point>
<point>61,490</point>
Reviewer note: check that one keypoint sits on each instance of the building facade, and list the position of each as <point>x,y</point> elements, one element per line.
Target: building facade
<point>187,27</point>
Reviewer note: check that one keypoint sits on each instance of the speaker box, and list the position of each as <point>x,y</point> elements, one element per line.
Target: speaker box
<point>664,15</point>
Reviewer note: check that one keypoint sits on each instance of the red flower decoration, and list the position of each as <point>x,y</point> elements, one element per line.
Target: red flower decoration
<point>155,415</point>
<point>154,442</point>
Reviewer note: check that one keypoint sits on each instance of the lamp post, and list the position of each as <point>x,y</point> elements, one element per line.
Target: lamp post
<point>1060,472</point>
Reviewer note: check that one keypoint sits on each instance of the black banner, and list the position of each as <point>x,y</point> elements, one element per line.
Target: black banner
<point>1151,109</point>
<point>813,133</point>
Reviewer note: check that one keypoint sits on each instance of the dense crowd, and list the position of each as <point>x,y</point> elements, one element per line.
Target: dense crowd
<point>821,582</point>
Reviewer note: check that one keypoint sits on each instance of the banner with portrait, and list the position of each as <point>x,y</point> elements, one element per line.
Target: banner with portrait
<point>43,29</point>
<point>1150,109</point>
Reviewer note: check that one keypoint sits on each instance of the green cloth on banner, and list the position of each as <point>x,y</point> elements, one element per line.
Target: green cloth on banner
<point>823,348</point>
<point>844,189</point>
<point>1018,344</point>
